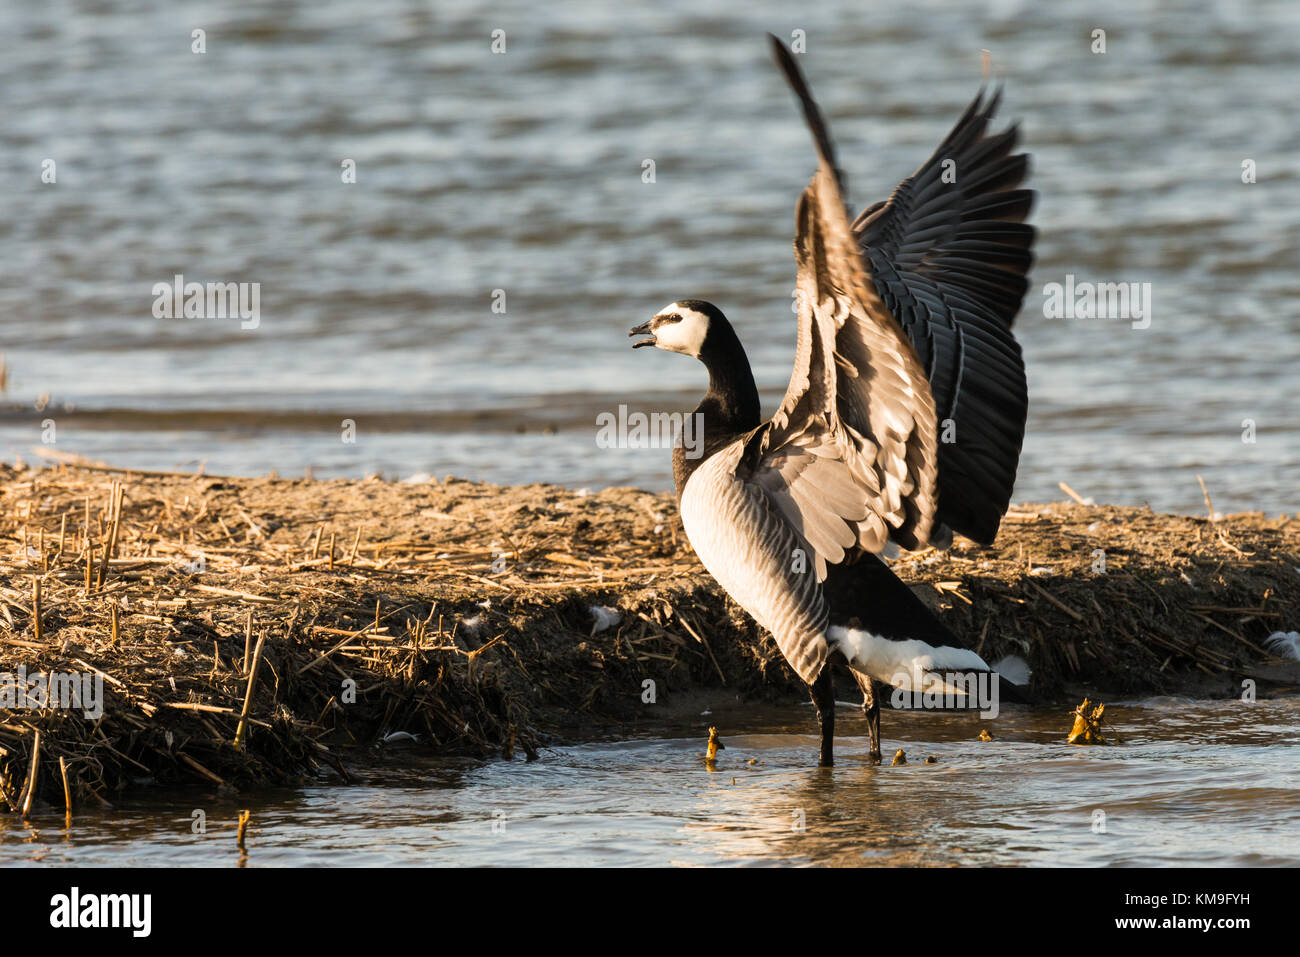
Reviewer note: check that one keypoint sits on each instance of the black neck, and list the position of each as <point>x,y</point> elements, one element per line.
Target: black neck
<point>730,407</point>
<point>732,400</point>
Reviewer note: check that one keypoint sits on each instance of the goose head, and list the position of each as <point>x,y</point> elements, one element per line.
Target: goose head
<point>684,326</point>
<point>697,328</point>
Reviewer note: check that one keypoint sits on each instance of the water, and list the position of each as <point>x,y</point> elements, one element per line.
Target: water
<point>522,172</point>
<point>1192,783</point>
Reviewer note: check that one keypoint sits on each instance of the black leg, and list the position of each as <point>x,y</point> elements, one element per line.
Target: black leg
<point>823,696</point>
<point>871,692</point>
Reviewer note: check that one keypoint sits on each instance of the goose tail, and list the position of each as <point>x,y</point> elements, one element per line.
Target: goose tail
<point>885,631</point>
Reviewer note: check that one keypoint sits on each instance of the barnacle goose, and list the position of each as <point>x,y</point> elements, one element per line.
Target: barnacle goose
<point>904,324</point>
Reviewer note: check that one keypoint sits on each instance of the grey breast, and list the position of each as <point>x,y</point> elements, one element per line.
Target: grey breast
<point>755,554</point>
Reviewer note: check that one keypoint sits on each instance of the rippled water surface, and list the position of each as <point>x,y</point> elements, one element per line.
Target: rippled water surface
<point>522,172</point>
<point>1206,783</point>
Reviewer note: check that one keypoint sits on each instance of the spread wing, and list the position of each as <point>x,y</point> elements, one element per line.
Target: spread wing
<point>948,254</point>
<point>850,457</point>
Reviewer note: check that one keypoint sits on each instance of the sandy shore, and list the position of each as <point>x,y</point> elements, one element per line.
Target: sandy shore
<point>462,613</point>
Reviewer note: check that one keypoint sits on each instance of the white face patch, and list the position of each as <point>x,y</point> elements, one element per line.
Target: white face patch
<point>686,335</point>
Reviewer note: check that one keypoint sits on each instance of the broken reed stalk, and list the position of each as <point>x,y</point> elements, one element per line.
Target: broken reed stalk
<point>331,551</point>
<point>244,818</point>
<point>36,608</point>
<point>5,795</point>
<point>110,548</point>
<point>248,639</point>
<point>1065,487</point>
<point>33,771</point>
<point>1208,504</point>
<point>112,611</point>
<point>117,514</point>
<point>248,695</point>
<point>67,793</point>
<point>90,561</point>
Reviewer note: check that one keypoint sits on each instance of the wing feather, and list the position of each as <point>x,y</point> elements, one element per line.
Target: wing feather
<point>950,259</point>
<point>850,456</point>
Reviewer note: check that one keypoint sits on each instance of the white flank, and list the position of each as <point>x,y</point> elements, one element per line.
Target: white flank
<point>887,660</point>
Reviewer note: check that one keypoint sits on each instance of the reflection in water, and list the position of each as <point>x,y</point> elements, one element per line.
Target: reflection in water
<point>1211,783</point>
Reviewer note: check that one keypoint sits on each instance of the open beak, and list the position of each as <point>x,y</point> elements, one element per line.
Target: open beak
<point>643,330</point>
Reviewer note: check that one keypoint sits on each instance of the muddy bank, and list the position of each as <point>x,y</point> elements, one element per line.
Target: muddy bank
<point>462,614</point>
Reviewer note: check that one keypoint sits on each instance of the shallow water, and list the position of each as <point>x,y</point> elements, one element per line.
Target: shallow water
<point>522,172</point>
<point>1191,783</point>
